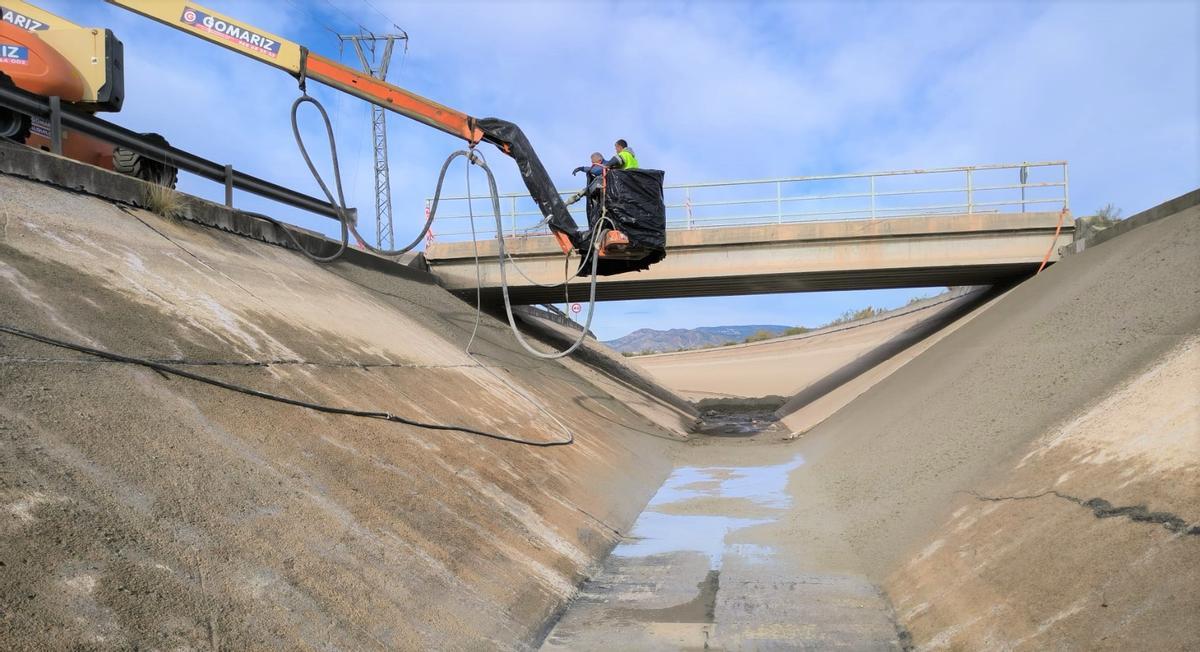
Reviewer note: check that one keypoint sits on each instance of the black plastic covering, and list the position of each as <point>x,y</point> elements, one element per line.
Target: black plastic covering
<point>633,200</point>
<point>506,134</point>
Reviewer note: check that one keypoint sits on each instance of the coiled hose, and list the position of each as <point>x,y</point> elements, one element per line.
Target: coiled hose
<point>347,227</point>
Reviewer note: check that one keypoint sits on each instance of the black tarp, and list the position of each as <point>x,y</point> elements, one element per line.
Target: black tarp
<point>541,189</point>
<point>633,200</point>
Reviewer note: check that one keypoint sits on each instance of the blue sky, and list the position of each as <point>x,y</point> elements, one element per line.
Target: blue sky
<point>706,91</point>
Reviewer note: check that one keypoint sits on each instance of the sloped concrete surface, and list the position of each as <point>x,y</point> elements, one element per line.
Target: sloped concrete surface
<point>785,366</point>
<point>1090,540</point>
<point>942,477</point>
<point>139,510</point>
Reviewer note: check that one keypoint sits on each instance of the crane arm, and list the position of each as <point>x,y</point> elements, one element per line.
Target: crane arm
<point>297,60</point>
<point>35,19</point>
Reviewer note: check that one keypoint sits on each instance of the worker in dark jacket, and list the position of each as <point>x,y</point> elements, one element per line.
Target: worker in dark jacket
<point>595,174</point>
<point>624,160</point>
<point>596,167</point>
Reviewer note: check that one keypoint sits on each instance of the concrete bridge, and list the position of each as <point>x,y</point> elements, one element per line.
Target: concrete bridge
<point>919,251</point>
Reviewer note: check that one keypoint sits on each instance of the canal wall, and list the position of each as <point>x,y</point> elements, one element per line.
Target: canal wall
<point>1029,480</point>
<point>140,508</point>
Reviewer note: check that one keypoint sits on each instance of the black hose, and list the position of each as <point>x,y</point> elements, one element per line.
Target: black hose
<point>512,322</point>
<point>370,414</point>
<point>339,203</point>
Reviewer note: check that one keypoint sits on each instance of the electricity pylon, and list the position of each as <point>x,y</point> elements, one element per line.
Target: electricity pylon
<point>367,47</point>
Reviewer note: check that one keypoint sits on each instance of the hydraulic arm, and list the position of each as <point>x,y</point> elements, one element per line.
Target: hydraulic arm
<point>298,61</point>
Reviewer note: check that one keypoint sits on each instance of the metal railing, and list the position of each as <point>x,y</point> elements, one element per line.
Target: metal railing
<point>1007,187</point>
<point>60,117</point>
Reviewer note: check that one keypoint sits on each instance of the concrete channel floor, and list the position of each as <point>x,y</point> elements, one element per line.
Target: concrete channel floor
<point>706,567</point>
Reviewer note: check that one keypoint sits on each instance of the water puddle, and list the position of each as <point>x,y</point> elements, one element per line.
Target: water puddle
<point>696,573</point>
<point>697,508</point>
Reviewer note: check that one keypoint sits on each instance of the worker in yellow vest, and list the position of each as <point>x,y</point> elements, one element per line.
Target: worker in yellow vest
<point>624,160</point>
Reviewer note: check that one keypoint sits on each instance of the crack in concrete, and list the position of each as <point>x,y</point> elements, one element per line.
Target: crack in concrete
<point>187,251</point>
<point>1101,508</point>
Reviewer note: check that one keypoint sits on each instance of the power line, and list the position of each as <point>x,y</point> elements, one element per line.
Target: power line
<point>347,16</point>
<point>384,16</point>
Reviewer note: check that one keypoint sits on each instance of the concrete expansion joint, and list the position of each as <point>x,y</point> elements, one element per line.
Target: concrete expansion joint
<point>1101,508</point>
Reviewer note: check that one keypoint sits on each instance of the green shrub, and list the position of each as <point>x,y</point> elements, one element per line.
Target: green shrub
<point>759,336</point>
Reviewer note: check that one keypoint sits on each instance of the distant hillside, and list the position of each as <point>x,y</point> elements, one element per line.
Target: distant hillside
<point>651,340</point>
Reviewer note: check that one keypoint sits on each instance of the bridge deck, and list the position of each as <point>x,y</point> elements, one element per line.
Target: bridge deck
<point>921,251</point>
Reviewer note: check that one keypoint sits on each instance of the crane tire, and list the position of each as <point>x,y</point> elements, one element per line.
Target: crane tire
<point>13,125</point>
<point>127,161</point>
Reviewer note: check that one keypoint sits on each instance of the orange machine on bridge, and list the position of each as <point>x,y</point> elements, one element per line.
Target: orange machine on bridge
<point>83,67</point>
<point>51,57</point>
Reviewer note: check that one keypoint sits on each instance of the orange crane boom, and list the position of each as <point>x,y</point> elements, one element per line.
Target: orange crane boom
<point>297,60</point>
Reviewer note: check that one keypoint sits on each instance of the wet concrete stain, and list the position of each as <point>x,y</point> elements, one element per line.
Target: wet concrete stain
<point>700,609</point>
<point>692,575</point>
<point>1101,508</point>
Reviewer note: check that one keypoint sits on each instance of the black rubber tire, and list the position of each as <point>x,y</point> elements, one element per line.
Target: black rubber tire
<point>135,165</point>
<point>13,125</point>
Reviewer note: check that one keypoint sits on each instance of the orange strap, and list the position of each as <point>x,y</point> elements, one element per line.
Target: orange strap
<point>1058,229</point>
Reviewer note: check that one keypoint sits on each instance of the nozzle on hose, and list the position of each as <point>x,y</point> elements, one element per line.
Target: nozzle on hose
<point>576,197</point>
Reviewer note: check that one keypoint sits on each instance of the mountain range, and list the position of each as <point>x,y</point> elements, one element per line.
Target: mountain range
<point>646,340</point>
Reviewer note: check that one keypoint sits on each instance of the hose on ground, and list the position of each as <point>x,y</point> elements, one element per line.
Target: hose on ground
<point>371,414</point>
<point>347,227</point>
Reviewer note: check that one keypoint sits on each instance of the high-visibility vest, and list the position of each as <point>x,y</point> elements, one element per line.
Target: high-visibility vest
<point>628,160</point>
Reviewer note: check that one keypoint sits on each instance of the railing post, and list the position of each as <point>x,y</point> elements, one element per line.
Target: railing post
<point>970,194</point>
<point>1066,189</point>
<point>428,234</point>
<point>56,125</point>
<point>872,197</point>
<point>229,186</point>
<point>779,202</point>
<point>687,204</point>
<point>513,214</point>
<point>1024,180</point>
